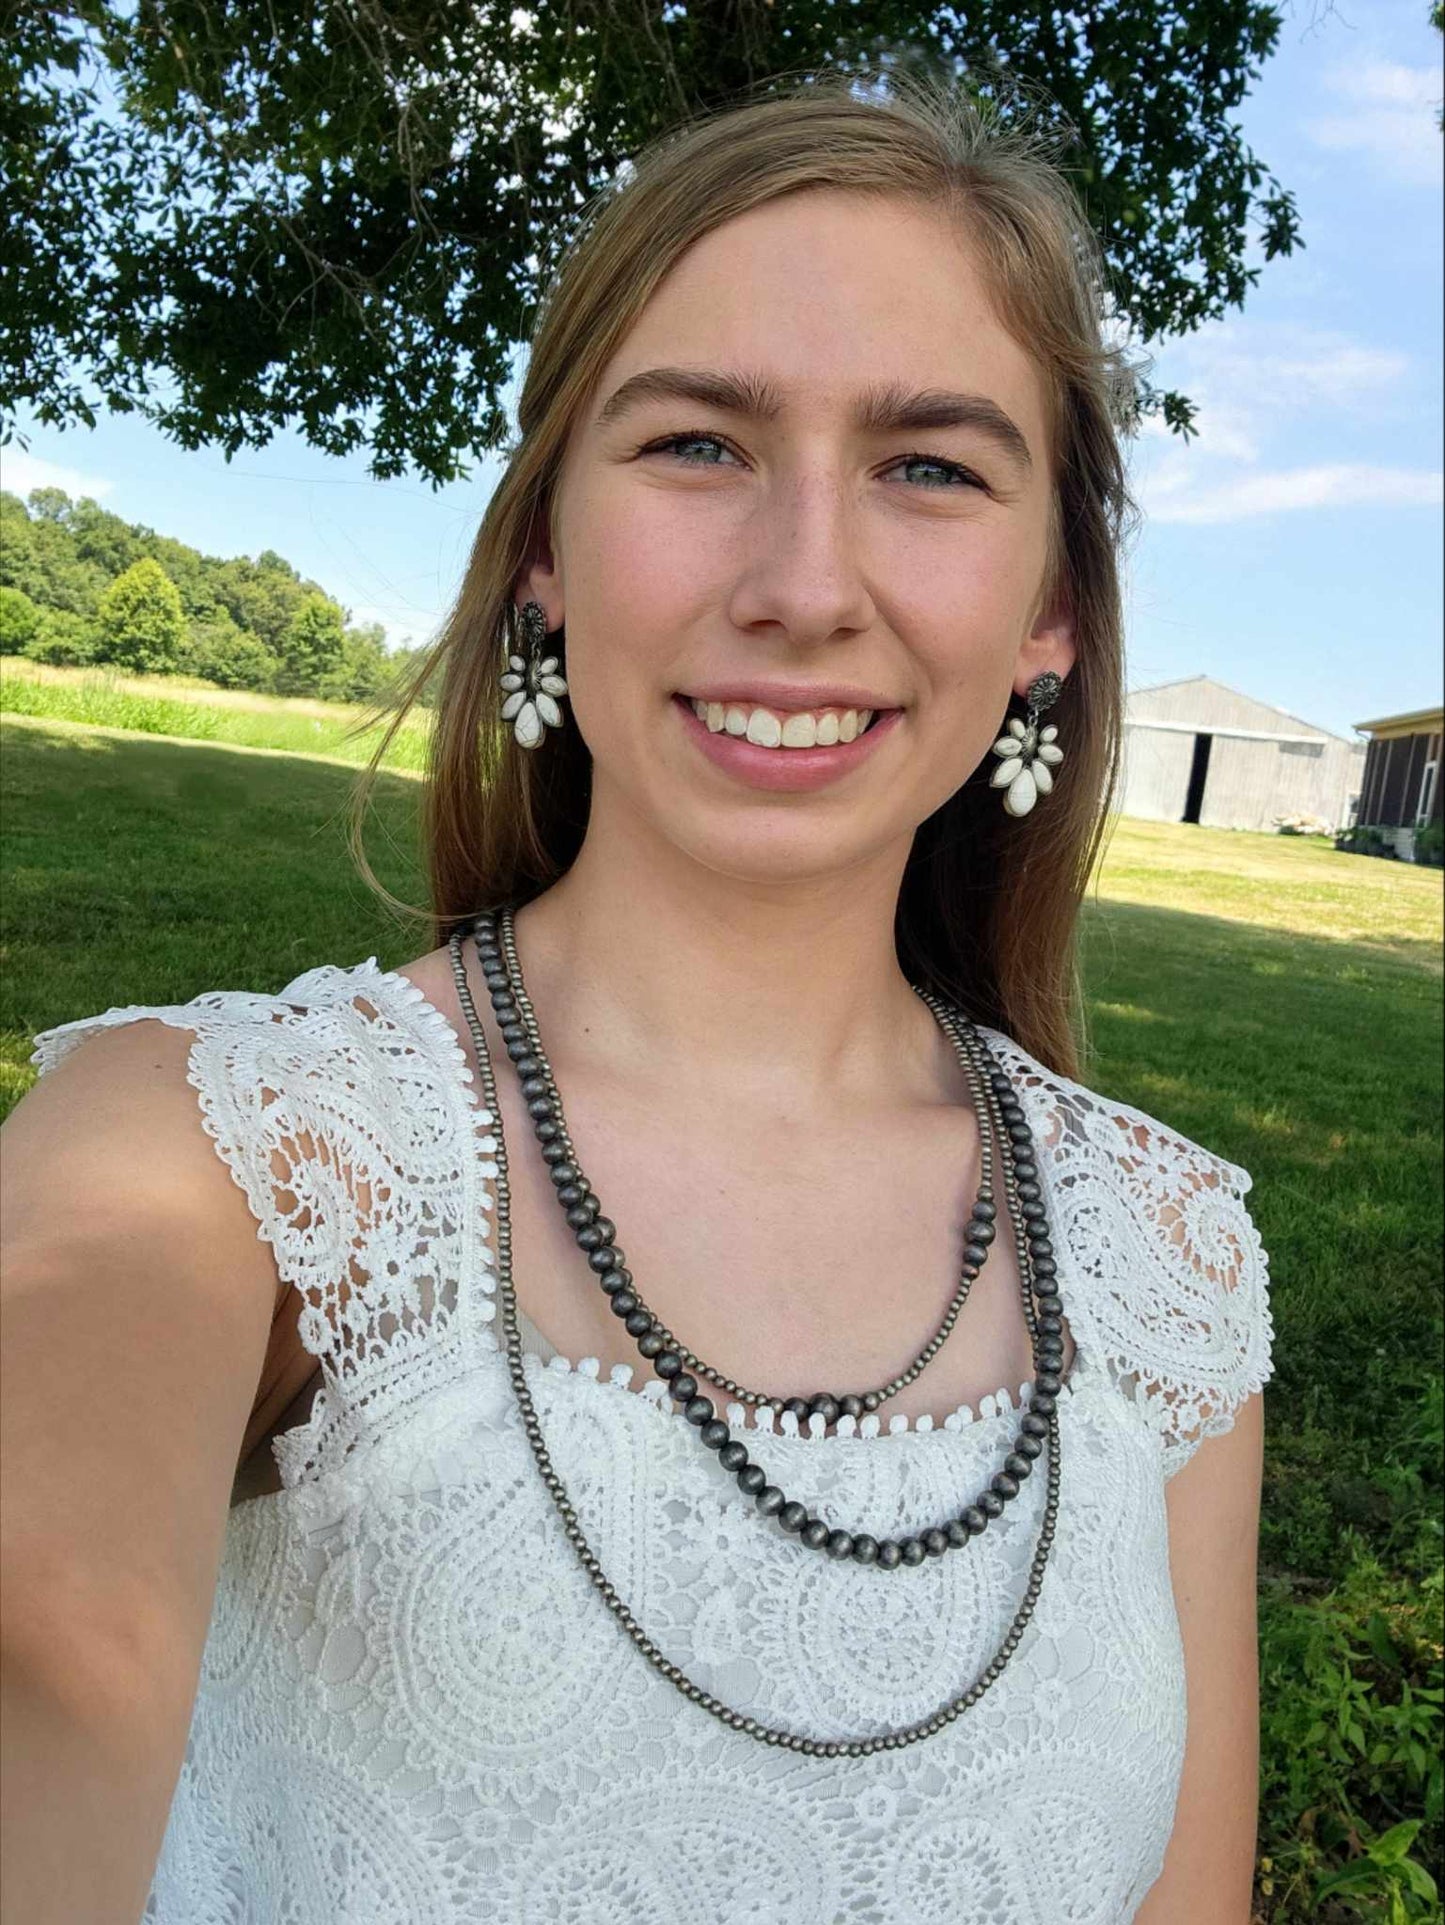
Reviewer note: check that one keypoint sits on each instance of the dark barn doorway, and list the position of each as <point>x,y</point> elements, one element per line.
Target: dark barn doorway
<point>1198,776</point>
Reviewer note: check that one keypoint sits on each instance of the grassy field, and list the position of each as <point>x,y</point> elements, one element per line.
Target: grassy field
<point>1274,999</point>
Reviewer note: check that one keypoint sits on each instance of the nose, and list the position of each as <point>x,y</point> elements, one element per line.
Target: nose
<point>800,564</point>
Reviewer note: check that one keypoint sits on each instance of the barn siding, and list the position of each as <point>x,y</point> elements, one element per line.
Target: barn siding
<point>1156,774</point>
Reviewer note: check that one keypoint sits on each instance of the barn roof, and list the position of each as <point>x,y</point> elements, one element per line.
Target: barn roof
<point>1199,702</point>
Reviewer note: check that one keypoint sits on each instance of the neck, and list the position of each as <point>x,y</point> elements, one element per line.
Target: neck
<point>643,961</point>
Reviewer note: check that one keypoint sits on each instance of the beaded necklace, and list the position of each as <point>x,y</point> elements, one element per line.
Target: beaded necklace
<point>501,969</point>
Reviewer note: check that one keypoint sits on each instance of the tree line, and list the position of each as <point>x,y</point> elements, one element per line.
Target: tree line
<point>79,585</point>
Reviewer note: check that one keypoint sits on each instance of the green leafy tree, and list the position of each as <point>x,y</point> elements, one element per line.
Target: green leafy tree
<point>339,216</point>
<point>312,647</point>
<point>63,639</point>
<point>140,622</point>
<point>364,669</point>
<point>229,657</point>
<point>19,621</point>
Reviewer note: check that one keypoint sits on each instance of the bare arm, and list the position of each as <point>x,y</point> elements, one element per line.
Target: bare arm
<point>1213,1505</point>
<point>137,1302</point>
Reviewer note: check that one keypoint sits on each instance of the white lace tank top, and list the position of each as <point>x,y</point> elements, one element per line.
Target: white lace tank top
<point>414,1709</point>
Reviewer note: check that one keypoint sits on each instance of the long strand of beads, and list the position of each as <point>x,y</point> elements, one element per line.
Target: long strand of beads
<point>654,1339</point>
<point>738,1721</point>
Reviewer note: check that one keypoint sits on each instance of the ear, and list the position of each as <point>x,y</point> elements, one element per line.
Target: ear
<point>541,578</point>
<point>1050,644</point>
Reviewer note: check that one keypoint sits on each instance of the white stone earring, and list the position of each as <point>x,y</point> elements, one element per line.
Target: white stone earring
<point>532,684</point>
<point>1028,755</point>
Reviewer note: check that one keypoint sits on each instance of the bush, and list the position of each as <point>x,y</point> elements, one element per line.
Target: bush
<point>1367,840</point>
<point>229,657</point>
<point>19,621</point>
<point>62,640</point>
<point>1430,844</point>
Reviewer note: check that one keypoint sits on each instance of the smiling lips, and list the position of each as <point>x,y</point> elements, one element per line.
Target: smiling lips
<point>769,728</point>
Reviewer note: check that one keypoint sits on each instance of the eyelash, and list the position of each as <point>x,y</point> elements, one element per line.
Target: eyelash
<point>932,461</point>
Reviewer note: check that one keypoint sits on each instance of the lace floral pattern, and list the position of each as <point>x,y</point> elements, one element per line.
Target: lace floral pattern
<point>413,1709</point>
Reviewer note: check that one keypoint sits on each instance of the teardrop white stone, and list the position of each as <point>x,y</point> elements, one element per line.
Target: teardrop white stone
<point>516,662</point>
<point>547,665</point>
<point>1005,773</point>
<point>553,685</point>
<point>1022,793</point>
<point>1008,745</point>
<point>1016,727</point>
<point>529,726</point>
<point>1048,734</point>
<point>548,710</point>
<point>513,703</point>
<point>513,681</point>
<point>1050,752</point>
<point>1043,780</point>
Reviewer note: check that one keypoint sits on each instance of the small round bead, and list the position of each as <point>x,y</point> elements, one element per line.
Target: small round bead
<point>850,1406</point>
<point>652,1345</point>
<point>911,1550</point>
<point>715,1434</point>
<point>980,1230</point>
<point>935,1542</point>
<point>607,1258</point>
<point>589,1237</point>
<point>668,1364</point>
<point>571,1194</point>
<point>991,1504</point>
<point>519,1051</point>
<point>535,1086</point>
<point>1047,1382</point>
<point>623,1303</point>
<point>528,1065</point>
<point>1007,1486</point>
<point>562,1170</point>
<point>1019,1132</point>
<point>1018,1465</point>
<point>798,1406</point>
<point>1030,1447</point>
<point>865,1549</point>
<point>540,1107</point>
<point>825,1407</point>
<point>985,1212</point>
<point>752,1478</point>
<point>793,1516</point>
<point>683,1387</point>
<point>871,1400</point>
<point>732,1456</point>
<point>816,1533</point>
<point>614,1280</point>
<point>1041,1404</point>
<point>698,1410</point>
<point>957,1531</point>
<point>839,1544</point>
<point>1029,1192</point>
<point>1051,1326</point>
<point>770,1500</point>
<point>639,1322</point>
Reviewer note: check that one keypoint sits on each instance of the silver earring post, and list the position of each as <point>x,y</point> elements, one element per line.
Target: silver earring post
<point>531,684</point>
<point>1028,754</point>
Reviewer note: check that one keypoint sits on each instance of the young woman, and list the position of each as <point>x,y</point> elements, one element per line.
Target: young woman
<point>728,1426</point>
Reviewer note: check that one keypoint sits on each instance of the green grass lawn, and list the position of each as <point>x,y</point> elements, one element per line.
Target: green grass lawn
<point>1274,999</point>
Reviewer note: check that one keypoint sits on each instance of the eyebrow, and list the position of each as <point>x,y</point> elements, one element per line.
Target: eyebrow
<point>883,409</point>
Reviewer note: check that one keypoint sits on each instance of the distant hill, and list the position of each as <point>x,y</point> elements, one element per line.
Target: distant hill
<point>80,585</point>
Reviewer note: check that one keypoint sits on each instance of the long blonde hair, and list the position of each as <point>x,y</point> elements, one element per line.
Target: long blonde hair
<point>988,906</point>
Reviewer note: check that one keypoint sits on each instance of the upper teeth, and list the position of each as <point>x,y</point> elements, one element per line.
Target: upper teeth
<point>787,728</point>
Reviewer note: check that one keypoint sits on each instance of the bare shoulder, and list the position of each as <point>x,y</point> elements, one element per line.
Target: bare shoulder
<point>109,1144</point>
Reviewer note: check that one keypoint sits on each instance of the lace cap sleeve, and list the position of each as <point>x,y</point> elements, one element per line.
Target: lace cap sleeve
<point>339,1115</point>
<point>1171,1278</point>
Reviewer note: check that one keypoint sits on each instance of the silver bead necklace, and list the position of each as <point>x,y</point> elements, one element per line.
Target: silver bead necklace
<point>1037,1271</point>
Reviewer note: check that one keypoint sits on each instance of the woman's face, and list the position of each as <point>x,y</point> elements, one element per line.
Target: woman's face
<point>814,480</point>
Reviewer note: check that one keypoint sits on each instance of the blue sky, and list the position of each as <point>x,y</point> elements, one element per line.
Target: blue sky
<point>1293,549</point>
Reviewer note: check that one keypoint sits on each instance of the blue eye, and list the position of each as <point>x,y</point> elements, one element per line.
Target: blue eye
<point>950,468</point>
<point>677,442</point>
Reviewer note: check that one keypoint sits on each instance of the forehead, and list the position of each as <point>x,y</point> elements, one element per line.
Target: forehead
<point>830,293</point>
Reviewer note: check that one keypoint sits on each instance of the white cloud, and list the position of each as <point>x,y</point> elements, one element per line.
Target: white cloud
<point>21,472</point>
<point>1389,113</point>
<point>1172,497</point>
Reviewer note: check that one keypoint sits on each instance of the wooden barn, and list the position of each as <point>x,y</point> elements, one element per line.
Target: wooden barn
<point>1196,751</point>
<point>1401,790</point>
